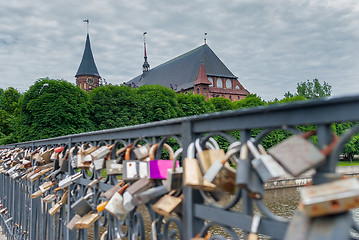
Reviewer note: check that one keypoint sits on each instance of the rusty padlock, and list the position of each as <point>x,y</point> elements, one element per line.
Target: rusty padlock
<point>134,169</point>
<point>330,198</point>
<point>115,205</point>
<point>57,206</point>
<point>297,154</point>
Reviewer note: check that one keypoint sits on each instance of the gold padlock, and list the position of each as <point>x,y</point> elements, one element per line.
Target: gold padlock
<point>208,157</point>
<point>192,175</point>
<point>87,220</point>
<point>167,204</point>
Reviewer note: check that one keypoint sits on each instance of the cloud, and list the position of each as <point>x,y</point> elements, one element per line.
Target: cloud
<point>270,45</point>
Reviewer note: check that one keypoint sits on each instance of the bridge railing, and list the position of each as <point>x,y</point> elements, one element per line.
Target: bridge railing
<point>27,218</point>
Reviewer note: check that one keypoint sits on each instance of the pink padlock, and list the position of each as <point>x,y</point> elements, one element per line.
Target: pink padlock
<point>158,168</point>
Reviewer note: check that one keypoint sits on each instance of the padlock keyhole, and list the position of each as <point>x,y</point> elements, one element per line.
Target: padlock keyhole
<point>335,204</point>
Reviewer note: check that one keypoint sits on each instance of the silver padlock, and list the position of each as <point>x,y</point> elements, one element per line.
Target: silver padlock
<point>68,180</point>
<point>149,195</point>
<point>142,152</point>
<point>265,165</point>
<point>100,152</point>
<point>174,175</point>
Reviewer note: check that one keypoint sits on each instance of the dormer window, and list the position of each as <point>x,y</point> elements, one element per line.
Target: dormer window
<point>228,83</point>
<point>219,83</point>
<point>238,87</point>
<point>211,80</point>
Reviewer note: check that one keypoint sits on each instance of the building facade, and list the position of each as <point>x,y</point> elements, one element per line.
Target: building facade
<point>199,71</point>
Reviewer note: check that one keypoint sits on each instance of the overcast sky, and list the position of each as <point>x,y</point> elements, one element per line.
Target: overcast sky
<point>270,45</point>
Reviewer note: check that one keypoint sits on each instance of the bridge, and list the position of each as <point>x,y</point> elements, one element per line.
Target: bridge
<point>25,216</point>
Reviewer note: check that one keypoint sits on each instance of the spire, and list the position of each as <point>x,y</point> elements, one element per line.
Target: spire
<point>87,65</point>
<point>205,38</point>
<point>202,76</point>
<point>146,65</point>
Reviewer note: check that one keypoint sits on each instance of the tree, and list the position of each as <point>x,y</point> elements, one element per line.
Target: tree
<point>115,106</point>
<point>60,108</point>
<point>157,103</point>
<point>314,89</point>
<point>10,101</point>
<point>221,104</point>
<point>251,100</point>
<point>193,104</point>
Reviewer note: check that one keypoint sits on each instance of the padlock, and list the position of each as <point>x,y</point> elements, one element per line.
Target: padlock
<point>37,175</point>
<point>253,235</point>
<point>49,198</point>
<point>137,187</point>
<point>134,169</point>
<point>297,154</point>
<point>149,195</point>
<point>83,162</point>
<point>73,221</point>
<point>330,198</point>
<point>266,167</point>
<point>208,157</point>
<point>101,152</point>
<point>46,156</point>
<point>42,189</point>
<point>94,182</point>
<point>101,206</point>
<point>243,168</point>
<point>192,174</point>
<point>115,205</point>
<point>109,193</point>
<point>113,167</point>
<point>167,204</point>
<point>82,206</point>
<point>142,152</point>
<point>73,157</point>
<point>99,164</point>
<point>57,206</point>
<point>87,220</point>
<point>89,150</point>
<point>68,180</point>
<point>175,174</point>
<point>158,168</point>
<point>3,210</point>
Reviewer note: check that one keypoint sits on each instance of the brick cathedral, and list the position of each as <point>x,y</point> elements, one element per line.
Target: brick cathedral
<point>199,71</point>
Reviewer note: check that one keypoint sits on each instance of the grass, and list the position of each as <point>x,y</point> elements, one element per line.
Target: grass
<point>348,163</point>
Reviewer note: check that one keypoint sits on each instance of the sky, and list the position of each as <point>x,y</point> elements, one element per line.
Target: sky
<point>270,45</point>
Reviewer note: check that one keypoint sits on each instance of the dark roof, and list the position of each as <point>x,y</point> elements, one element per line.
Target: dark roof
<point>181,72</point>
<point>87,65</point>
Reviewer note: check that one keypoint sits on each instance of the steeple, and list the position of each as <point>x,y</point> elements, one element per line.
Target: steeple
<point>87,76</point>
<point>146,65</point>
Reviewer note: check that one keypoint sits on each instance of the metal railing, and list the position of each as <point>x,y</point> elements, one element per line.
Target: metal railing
<point>28,218</point>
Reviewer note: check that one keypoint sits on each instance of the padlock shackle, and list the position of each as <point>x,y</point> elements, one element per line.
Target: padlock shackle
<point>128,151</point>
<point>175,158</point>
<point>253,149</point>
<point>327,149</point>
<point>123,188</point>
<point>154,148</point>
<point>190,151</point>
<point>230,153</point>
<point>88,196</point>
<point>243,154</point>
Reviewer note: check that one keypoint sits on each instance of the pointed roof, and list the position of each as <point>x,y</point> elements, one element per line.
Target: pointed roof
<point>87,65</point>
<point>182,71</point>
<point>202,77</point>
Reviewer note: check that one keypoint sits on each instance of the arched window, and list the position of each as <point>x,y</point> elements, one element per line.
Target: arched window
<point>228,83</point>
<point>197,90</point>
<point>204,90</point>
<point>238,87</point>
<point>219,83</point>
<point>211,80</point>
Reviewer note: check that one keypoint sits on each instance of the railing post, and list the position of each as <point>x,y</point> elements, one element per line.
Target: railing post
<point>191,225</point>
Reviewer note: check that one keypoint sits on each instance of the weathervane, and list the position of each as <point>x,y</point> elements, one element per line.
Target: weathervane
<point>87,21</point>
<point>205,39</point>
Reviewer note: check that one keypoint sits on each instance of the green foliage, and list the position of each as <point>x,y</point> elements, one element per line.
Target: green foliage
<point>252,100</point>
<point>10,101</point>
<point>59,109</point>
<point>314,89</point>
<point>157,103</point>
<point>221,104</point>
<point>115,106</point>
<point>193,104</point>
